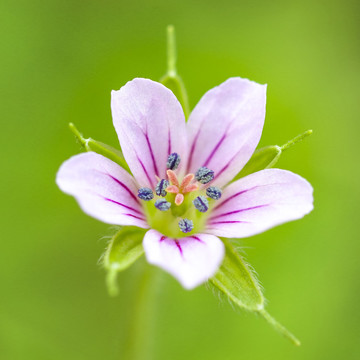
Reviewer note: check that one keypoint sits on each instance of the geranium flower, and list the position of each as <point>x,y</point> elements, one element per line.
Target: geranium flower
<point>180,184</point>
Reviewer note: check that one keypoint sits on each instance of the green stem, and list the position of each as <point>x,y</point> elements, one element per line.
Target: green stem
<point>296,139</point>
<point>171,51</point>
<point>171,79</point>
<point>280,328</point>
<point>140,332</point>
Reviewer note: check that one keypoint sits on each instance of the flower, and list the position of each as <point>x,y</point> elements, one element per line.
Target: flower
<point>181,171</point>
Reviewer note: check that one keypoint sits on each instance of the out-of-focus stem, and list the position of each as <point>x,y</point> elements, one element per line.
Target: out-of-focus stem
<point>171,79</point>
<point>171,51</point>
<point>140,332</point>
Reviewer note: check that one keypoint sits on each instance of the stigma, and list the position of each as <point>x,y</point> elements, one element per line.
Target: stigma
<point>180,188</point>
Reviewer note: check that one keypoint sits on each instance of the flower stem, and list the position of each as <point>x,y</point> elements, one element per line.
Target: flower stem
<point>296,139</point>
<point>280,328</point>
<point>171,79</point>
<point>171,51</point>
<point>139,339</point>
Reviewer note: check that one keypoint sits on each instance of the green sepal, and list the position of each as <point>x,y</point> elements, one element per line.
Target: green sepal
<point>263,158</point>
<point>124,248</point>
<point>176,85</point>
<point>235,279</point>
<point>100,148</point>
<point>267,157</point>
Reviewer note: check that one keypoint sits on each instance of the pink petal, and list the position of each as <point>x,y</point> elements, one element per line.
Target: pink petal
<point>102,188</point>
<point>150,125</point>
<point>259,202</point>
<point>225,128</point>
<point>191,260</point>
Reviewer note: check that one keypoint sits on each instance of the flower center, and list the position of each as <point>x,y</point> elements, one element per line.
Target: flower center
<point>176,208</point>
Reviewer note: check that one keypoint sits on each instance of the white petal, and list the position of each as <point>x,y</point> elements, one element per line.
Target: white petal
<point>259,202</point>
<point>225,128</point>
<point>102,188</point>
<point>191,260</point>
<point>150,125</point>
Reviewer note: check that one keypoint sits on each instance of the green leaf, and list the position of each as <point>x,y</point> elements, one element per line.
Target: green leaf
<point>235,279</point>
<point>100,148</point>
<point>171,79</point>
<point>268,156</point>
<point>124,248</point>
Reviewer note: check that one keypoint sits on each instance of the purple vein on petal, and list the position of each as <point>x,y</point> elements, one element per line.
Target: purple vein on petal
<point>178,246</point>
<point>230,222</point>
<point>125,187</point>
<point>156,171</point>
<point>197,239</point>
<point>134,216</point>
<point>123,205</point>
<point>215,150</point>
<point>227,165</point>
<point>233,196</point>
<point>192,150</point>
<point>162,238</point>
<point>169,143</point>
<point>145,171</point>
<point>238,211</point>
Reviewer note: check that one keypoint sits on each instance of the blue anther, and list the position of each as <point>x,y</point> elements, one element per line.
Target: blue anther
<point>173,161</point>
<point>162,205</point>
<point>201,203</point>
<point>160,187</point>
<point>145,194</point>
<point>186,225</point>
<point>213,192</point>
<point>204,175</point>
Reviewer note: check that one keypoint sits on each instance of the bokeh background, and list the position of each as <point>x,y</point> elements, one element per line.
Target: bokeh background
<point>59,61</point>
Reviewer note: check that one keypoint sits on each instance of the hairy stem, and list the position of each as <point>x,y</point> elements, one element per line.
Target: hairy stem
<point>278,327</point>
<point>296,139</point>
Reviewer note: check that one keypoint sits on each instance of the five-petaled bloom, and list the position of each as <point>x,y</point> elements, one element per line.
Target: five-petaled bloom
<point>181,172</point>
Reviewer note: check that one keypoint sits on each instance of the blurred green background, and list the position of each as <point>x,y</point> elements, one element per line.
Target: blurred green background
<point>59,61</point>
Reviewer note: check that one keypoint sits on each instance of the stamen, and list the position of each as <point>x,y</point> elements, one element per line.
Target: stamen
<point>161,186</point>
<point>190,188</point>
<point>173,161</point>
<point>145,194</point>
<point>172,189</point>
<point>172,177</point>
<point>201,204</point>
<point>179,198</point>
<point>162,205</point>
<point>186,181</point>
<point>213,192</point>
<point>186,225</point>
<point>204,175</point>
